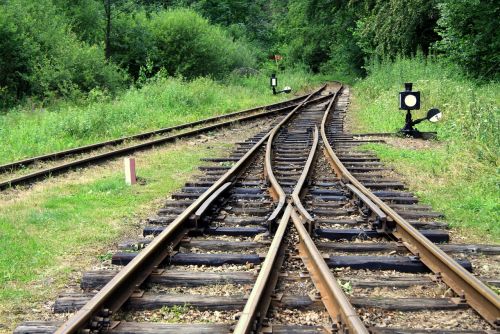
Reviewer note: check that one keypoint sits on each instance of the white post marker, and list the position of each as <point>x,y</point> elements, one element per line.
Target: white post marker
<point>130,177</point>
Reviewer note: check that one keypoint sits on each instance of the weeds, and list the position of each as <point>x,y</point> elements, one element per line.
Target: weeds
<point>459,177</point>
<point>161,102</point>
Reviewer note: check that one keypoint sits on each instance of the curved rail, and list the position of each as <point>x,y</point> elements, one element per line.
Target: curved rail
<point>31,177</point>
<point>477,294</point>
<point>116,292</point>
<point>275,189</point>
<point>82,149</point>
<point>304,176</point>
<point>333,297</point>
<point>260,297</point>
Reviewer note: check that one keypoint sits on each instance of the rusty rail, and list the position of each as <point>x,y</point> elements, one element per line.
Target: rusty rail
<point>476,293</point>
<point>303,177</point>
<point>82,149</point>
<point>334,298</point>
<point>260,297</point>
<point>40,174</point>
<point>275,189</point>
<point>96,313</point>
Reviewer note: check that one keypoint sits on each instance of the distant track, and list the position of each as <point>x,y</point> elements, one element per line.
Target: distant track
<point>161,137</point>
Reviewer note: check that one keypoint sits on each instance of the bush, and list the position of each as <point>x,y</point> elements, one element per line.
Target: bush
<point>186,44</point>
<point>41,57</point>
<point>397,27</point>
<point>470,36</point>
<point>132,41</point>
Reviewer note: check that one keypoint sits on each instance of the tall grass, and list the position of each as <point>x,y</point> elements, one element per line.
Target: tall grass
<point>470,109</point>
<point>460,176</point>
<point>161,102</point>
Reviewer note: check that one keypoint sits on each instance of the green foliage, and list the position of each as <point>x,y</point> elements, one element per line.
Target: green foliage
<point>309,35</point>
<point>462,187</point>
<point>40,57</point>
<point>132,40</point>
<point>86,18</point>
<point>470,35</point>
<point>464,166</point>
<point>160,102</point>
<point>397,27</point>
<point>471,110</point>
<point>243,19</point>
<point>188,45</point>
<point>45,231</point>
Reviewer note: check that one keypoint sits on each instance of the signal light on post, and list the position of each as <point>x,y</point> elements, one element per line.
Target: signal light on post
<point>410,100</point>
<point>274,83</point>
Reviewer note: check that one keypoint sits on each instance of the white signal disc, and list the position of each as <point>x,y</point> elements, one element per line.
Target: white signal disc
<point>410,100</point>
<point>436,118</point>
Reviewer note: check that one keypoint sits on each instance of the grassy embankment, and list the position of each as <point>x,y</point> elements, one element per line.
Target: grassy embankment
<point>459,174</point>
<point>60,226</point>
<point>29,131</point>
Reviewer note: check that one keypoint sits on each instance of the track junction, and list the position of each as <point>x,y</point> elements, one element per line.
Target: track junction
<point>291,233</point>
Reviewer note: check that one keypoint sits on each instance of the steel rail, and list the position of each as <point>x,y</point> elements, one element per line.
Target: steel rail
<point>117,291</point>
<point>258,302</point>
<point>31,177</point>
<point>113,142</point>
<point>333,297</point>
<point>82,149</point>
<point>275,189</point>
<point>479,296</point>
<point>297,191</point>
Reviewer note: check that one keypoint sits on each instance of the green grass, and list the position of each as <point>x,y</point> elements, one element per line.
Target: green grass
<point>29,131</point>
<point>459,176</point>
<point>58,227</point>
<point>466,194</point>
<point>43,233</point>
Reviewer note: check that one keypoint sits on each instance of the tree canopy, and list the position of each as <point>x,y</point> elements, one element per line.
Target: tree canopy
<point>54,48</point>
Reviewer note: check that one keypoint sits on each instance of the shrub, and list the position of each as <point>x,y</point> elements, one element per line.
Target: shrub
<point>186,44</point>
<point>470,36</point>
<point>41,57</point>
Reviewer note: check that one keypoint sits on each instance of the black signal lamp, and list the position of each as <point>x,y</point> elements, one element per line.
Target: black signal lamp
<point>274,80</point>
<point>409,100</point>
<point>274,83</point>
<point>434,115</point>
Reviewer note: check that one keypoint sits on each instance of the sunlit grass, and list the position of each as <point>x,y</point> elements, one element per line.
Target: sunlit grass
<point>57,228</point>
<point>162,102</point>
<point>459,177</point>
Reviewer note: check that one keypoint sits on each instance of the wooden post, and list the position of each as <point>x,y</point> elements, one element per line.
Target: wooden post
<point>130,177</point>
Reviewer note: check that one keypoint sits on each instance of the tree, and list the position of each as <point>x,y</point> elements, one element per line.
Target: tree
<point>397,27</point>
<point>470,36</point>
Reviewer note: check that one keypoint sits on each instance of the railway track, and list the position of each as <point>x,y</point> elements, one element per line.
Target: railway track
<point>295,232</point>
<point>30,170</point>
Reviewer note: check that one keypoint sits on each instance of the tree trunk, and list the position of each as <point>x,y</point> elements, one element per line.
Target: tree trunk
<point>107,8</point>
